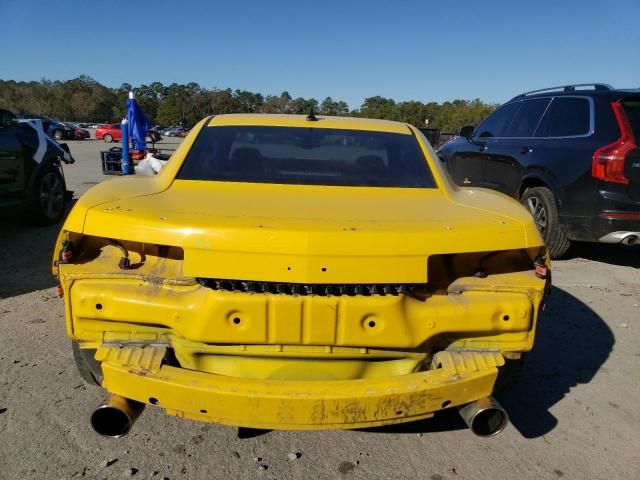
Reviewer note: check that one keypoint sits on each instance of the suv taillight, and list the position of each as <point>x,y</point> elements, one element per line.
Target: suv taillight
<point>608,161</point>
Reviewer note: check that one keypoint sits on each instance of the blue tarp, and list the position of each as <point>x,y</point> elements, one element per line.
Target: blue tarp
<point>139,124</point>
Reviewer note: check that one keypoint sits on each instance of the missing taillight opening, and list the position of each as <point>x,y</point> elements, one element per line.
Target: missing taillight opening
<point>608,161</point>
<point>127,255</point>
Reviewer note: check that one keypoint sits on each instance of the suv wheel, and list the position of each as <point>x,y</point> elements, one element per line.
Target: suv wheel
<point>58,135</point>
<point>543,208</point>
<point>48,196</point>
<point>108,138</point>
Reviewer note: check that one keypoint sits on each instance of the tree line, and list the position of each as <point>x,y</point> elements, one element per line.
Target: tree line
<point>85,99</point>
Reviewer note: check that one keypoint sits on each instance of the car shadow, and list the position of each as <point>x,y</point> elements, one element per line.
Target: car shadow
<point>613,254</point>
<point>572,343</point>
<point>25,255</point>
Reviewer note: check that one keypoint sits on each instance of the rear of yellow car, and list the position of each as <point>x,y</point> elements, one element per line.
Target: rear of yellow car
<point>292,273</point>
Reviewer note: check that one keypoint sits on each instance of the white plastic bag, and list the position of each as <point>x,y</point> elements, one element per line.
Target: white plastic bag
<point>144,168</point>
<point>150,165</point>
<point>156,163</point>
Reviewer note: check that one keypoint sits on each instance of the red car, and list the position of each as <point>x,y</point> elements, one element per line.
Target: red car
<point>112,132</point>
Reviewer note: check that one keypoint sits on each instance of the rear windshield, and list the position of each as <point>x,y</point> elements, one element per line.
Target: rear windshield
<point>632,109</point>
<point>307,156</point>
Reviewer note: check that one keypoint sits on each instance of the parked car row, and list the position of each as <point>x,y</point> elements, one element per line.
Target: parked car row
<point>59,130</point>
<point>113,132</point>
<point>78,132</point>
<point>172,131</point>
<point>108,132</point>
<point>570,154</point>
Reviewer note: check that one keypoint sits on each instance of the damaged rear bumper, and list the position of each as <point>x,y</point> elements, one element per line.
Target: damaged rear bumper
<point>455,378</point>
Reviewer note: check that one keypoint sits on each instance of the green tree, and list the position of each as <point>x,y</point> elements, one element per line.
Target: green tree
<point>331,107</point>
<point>83,98</point>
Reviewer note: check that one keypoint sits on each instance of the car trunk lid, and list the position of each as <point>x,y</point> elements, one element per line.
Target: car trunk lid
<point>305,234</point>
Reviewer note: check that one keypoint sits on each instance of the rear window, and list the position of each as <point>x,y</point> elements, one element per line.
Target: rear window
<point>632,109</point>
<point>307,156</point>
<point>566,117</point>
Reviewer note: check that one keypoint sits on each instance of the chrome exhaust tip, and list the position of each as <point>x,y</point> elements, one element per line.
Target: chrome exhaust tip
<point>115,417</point>
<point>484,417</point>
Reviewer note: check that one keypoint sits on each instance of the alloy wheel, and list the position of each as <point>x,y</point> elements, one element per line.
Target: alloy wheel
<point>536,207</point>
<point>51,195</point>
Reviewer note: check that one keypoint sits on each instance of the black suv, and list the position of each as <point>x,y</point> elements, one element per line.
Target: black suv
<point>31,169</point>
<point>570,154</point>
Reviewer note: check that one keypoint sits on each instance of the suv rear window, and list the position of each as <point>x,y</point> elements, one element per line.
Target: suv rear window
<point>632,109</point>
<point>566,117</point>
<point>307,156</point>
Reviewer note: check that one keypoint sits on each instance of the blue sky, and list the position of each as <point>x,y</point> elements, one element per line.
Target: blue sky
<point>349,50</point>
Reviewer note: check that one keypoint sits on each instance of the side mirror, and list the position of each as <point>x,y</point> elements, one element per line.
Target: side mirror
<point>65,147</point>
<point>467,131</point>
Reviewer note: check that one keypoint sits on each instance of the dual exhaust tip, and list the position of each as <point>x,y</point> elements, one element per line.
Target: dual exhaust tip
<point>116,416</point>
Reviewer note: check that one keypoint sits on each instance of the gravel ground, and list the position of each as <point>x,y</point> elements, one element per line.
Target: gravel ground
<point>574,414</point>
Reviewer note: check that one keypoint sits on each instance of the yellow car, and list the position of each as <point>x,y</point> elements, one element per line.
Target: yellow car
<point>292,272</point>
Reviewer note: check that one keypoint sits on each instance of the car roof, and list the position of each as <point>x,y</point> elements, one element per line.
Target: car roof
<point>342,123</point>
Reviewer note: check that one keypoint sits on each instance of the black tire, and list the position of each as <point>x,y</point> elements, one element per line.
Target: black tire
<point>93,376</point>
<point>58,135</point>
<point>508,375</point>
<point>108,138</point>
<point>542,205</point>
<point>48,196</point>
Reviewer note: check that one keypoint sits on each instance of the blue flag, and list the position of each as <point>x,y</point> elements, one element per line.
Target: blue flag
<point>139,124</point>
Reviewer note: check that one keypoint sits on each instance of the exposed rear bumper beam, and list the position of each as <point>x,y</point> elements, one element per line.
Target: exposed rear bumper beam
<point>306,405</point>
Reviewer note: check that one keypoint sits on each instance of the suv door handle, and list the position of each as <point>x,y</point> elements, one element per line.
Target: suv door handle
<point>524,150</point>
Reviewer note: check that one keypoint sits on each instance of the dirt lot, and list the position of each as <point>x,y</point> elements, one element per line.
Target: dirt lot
<point>574,414</point>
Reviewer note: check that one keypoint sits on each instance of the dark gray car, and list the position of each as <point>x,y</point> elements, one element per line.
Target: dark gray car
<point>31,175</point>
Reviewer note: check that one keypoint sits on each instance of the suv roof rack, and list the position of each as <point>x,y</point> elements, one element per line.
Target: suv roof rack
<point>604,87</point>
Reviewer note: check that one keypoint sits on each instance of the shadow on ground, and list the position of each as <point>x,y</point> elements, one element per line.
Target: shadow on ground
<point>572,343</point>
<point>25,257</point>
<point>605,253</point>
